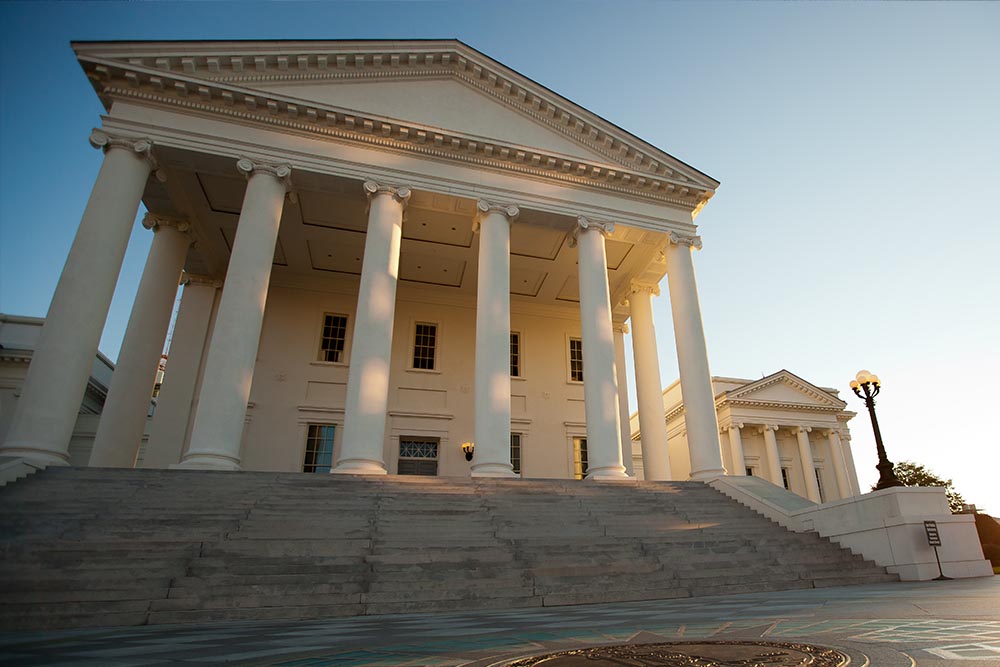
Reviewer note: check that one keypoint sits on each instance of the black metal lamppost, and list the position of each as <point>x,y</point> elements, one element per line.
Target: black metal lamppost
<point>868,383</point>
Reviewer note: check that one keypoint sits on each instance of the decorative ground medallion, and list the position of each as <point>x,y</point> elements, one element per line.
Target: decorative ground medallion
<point>692,654</point>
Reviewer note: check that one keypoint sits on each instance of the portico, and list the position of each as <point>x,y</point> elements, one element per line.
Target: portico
<point>397,274</point>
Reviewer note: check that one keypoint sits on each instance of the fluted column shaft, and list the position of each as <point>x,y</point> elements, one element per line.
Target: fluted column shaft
<point>692,359</point>
<point>219,418</point>
<point>623,416</point>
<point>839,464</point>
<point>368,377</point>
<point>64,356</point>
<point>648,388</point>
<point>600,381</point>
<point>492,409</point>
<point>123,419</point>
<point>771,449</point>
<point>808,467</point>
<point>187,348</point>
<point>736,450</point>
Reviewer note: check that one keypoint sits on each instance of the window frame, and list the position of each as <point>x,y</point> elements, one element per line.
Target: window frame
<point>581,459</point>
<point>418,438</point>
<point>411,357</point>
<point>520,355</point>
<point>306,450</point>
<point>520,452</point>
<point>786,478</point>
<point>569,360</point>
<point>345,352</point>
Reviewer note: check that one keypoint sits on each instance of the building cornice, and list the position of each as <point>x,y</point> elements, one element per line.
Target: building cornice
<point>217,85</point>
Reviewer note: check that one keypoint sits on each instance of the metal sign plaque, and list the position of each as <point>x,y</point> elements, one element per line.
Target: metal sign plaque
<point>692,654</point>
<point>933,536</point>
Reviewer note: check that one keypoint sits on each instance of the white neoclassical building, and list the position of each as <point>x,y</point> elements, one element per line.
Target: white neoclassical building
<point>781,428</point>
<point>385,249</point>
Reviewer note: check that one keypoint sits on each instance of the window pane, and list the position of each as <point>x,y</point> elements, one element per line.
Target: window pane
<point>579,458</point>
<point>417,456</point>
<point>331,346</point>
<point>319,448</point>
<point>515,452</point>
<point>784,478</point>
<point>515,354</point>
<point>576,360</point>
<point>424,344</point>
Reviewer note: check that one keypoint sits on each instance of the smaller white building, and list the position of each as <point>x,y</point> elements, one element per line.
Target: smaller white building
<point>18,340</point>
<point>780,427</point>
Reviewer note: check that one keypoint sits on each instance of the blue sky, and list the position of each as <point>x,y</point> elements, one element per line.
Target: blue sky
<point>858,146</point>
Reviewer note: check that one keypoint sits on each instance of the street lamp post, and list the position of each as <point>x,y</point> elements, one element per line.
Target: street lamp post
<point>869,384</point>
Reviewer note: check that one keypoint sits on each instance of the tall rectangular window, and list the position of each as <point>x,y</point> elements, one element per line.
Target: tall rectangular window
<point>424,346</point>
<point>319,448</point>
<point>576,359</point>
<point>515,354</point>
<point>819,485</point>
<point>749,471</point>
<point>417,456</point>
<point>515,452</point>
<point>579,458</point>
<point>784,479</point>
<point>331,345</point>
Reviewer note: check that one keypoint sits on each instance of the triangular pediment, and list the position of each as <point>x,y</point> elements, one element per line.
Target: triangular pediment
<point>438,97</point>
<point>445,103</point>
<point>786,388</point>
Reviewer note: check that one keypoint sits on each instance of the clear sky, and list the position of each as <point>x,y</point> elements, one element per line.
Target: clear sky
<point>858,146</point>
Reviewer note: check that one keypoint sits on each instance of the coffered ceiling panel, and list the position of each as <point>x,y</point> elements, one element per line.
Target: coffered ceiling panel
<point>570,291</point>
<point>339,251</point>
<point>534,241</point>
<point>421,267</point>
<point>526,282</point>
<point>229,232</point>
<point>223,193</point>
<point>438,227</point>
<point>334,210</point>
<point>617,251</point>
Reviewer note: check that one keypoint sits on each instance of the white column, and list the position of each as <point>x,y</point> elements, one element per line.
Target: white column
<point>692,359</point>
<point>600,380</point>
<point>852,469</point>
<point>648,388</point>
<point>771,449</point>
<point>492,411</point>
<point>736,450</point>
<point>839,465</point>
<point>808,467</point>
<point>623,417</point>
<point>123,419</point>
<point>221,412</point>
<point>187,347</point>
<point>368,377</point>
<point>62,361</point>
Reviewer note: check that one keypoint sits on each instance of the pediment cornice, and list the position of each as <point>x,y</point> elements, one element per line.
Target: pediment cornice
<point>218,79</point>
<point>823,400</point>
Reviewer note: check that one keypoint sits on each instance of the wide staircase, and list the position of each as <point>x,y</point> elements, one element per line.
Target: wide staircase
<point>102,547</point>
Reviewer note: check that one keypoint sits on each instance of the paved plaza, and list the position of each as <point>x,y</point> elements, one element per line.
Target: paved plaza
<point>926,623</point>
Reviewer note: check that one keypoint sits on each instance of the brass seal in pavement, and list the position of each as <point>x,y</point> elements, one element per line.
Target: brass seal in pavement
<point>692,654</point>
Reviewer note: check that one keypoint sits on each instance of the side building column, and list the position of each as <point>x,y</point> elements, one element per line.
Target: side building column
<point>736,450</point>
<point>648,388</point>
<point>839,464</point>
<point>46,413</point>
<point>808,467</point>
<point>623,416</point>
<point>700,419</point>
<point>771,451</point>
<point>361,450</point>
<point>187,348</point>
<point>123,419</point>
<point>221,412</point>
<point>492,409</point>
<point>600,381</point>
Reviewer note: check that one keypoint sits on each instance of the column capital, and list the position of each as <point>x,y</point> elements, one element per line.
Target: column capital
<point>622,327</point>
<point>685,239</point>
<point>484,208</point>
<point>800,429</point>
<point>768,427</point>
<point>400,193</point>
<point>636,286</point>
<point>731,426</point>
<point>198,279</point>
<point>283,172</point>
<point>141,146</point>
<point>155,222</point>
<point>605,227</point>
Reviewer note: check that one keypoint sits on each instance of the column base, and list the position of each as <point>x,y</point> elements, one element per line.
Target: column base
<point>42,457</point>
<point>206,462</point>
<point>611,473</point>
<point>359,467</point>
<point>494,470</point>
<point>706,475</point>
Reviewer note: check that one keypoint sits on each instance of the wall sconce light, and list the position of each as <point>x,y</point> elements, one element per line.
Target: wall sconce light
<point>468,448</point>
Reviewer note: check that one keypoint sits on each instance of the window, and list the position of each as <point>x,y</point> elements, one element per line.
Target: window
<point>424,346</point>
<point>819,485</point>
<point>418,456</point>
<point>576,359</point>
<point>515,452</point>
<point>331,344</point>
<point>784,479</point>
<point>319,448</point>
<point>749,471</point>
<point>579,458</point>
<point>515,354</point>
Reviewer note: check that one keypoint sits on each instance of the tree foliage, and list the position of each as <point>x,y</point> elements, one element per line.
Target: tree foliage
<point>914,474</point>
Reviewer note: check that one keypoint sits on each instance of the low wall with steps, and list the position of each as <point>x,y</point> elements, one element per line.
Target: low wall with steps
<point>99,547</point>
